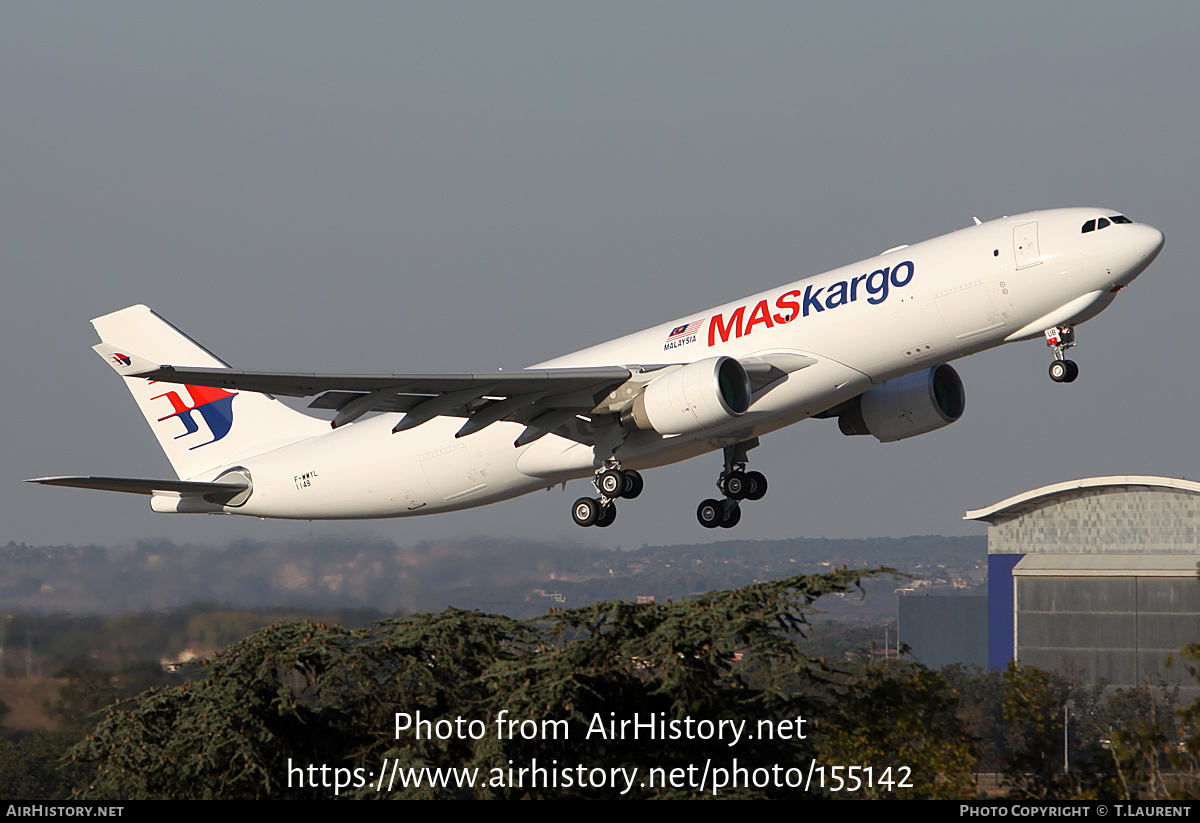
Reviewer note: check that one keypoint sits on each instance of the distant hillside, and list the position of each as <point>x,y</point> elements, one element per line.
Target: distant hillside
<point>514,577</point>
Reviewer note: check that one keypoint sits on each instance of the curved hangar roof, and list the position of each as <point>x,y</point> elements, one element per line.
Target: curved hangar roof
<point>1047,496</point>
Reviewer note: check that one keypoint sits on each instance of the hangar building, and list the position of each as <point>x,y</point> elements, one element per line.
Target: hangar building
<point>1096,578</point>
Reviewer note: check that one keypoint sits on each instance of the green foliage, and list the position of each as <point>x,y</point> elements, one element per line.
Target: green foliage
<point>1033,710</point>
<point>295,695</point>
<point>35,767</point>
<point>49,642</point>
<point>1186,750</point>
<point>85,692</point>
<point>1124,744</point>
<point>1036,705</point>
<point>669,662</point>
<point>1142,745</point>
<point>307,692</point>
<point>898,719</point>
<point>981,711</point>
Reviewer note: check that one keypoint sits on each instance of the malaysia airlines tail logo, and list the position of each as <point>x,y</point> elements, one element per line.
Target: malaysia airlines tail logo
<point>215,407</point>
<point>120,359</point>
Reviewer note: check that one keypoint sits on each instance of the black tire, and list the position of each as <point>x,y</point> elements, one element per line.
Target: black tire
<point>633,484</point>
<point>607,516</point>
<point>585,511</point>
<point>611,483</point>
<point>710,513</point>
<point>756,483</point>
<point>1072,371</point>
<point>734,485</point>
<point>1059,371</point>
<point>732,517</point>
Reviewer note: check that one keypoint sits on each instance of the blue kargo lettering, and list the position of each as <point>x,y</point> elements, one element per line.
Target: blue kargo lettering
<point>876,286</point>
<point>811,301</point>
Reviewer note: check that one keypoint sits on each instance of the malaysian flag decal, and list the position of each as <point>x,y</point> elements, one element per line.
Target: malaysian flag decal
<point>685,330</point>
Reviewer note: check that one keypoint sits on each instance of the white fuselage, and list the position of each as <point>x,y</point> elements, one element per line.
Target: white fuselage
<point>864,324</point>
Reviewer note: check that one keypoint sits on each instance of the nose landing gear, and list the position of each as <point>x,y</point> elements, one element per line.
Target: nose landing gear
<point>1061,338</point>
<point>1064,371</point>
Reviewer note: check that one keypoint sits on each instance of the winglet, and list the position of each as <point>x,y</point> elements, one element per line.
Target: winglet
<point>124,362</point>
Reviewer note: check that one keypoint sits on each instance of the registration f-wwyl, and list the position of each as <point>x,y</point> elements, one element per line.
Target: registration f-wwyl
<point>867,344</point>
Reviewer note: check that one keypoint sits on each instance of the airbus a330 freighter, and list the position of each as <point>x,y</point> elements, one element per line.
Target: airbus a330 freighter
<point>867,344</point>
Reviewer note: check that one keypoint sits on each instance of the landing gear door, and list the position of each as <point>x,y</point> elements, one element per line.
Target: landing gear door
<point>1025,245</point>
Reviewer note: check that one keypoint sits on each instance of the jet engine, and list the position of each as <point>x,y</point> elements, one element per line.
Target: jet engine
<point>906,406</point>
<point>691,398</point>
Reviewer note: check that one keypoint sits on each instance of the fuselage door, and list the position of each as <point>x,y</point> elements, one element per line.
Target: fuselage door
<point>1025,245</point>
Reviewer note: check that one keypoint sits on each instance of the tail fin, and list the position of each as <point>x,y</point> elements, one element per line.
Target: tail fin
<point>199,428</point>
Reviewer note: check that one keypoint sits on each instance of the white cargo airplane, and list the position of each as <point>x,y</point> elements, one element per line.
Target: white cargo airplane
<point>867,344</point>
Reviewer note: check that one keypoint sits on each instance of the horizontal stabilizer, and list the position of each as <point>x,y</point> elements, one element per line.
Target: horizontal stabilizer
<point>133,485</point>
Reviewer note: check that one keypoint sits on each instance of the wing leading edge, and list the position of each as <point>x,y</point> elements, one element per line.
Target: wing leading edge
<point>545,401</point>
<point>562,401</point>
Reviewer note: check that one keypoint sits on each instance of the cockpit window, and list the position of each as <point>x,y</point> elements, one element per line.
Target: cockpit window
<point>1103,223</point>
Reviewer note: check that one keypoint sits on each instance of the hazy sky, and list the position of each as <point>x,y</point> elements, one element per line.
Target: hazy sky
<point>396,187</point>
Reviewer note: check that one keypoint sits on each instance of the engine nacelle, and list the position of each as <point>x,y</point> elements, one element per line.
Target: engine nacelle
<point>907,406</point>
<point>691,398</point>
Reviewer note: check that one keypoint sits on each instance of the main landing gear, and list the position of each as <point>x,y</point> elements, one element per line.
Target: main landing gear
<point>737,485</point>
<point>1061,338</point>
<point>611,482</point>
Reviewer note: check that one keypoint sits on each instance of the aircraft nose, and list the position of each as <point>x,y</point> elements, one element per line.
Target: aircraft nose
<point>1152,242</point>
<point>1145,242</point>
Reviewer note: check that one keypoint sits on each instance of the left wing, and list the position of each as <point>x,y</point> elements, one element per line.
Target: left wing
<point>562,401</point>
<point>548,400</point>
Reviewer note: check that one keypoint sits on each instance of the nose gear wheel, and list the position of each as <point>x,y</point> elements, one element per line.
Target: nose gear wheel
<point>1061,338</point>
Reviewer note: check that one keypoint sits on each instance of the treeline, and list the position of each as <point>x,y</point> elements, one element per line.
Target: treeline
<point>517,578</point>
<point>38,645</point>
<point>312,710</point>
